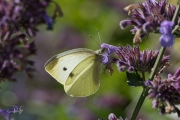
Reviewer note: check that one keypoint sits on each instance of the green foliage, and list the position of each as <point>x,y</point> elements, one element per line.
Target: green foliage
<point>134,79</point>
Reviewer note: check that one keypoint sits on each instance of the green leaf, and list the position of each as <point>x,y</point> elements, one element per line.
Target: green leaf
<point>134,79</point>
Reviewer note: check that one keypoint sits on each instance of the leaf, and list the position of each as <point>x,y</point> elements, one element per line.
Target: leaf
<point>134,79</point>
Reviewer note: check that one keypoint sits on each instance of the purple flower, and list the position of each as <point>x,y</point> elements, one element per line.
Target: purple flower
<point>22,14</point>
<point>147,17</point>
<point>105,58</point>
<point>113,117</point>
<point>132,59</point>
<point>7,112</point>
<point>165,93</point>
<point>167,38</point>
<point>155,103</point>
<point>111,49</point>
<point>17,16</point>
<point>14,57</point>
<point>49,21</point>
<point>166,27</point>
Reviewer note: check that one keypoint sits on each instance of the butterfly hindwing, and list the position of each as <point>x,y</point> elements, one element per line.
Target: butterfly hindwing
<point>84,79</point>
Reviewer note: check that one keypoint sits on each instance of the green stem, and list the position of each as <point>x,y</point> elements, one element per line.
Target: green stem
<point>139,104</point>
<point>175,17</point>
<point>158,60</point>
<point>156,65</point>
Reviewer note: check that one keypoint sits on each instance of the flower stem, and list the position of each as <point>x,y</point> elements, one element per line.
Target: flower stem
<point>139,104</point>
<point>156,65</point>
<point>158,60</point>
<point>175,17</point>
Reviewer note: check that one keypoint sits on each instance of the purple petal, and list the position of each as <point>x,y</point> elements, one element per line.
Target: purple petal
<point>166,27</point>
<point>164,30</point>
<point>147,27</point>
<point>125,23</point>
<point>167,23</point>
<point>155,103</point>
<point>177,73</point>
<point>122,68</point>
<point>166,40</point>
<point>169,76</point>
<point>147,83</point>
<point>112,117</point>
<point>153,1</point>
<point>105,58</point>
<point>163,6</point>
<point>49,21</point>
<point>131,69</point>
<point>6,112</point>
<point>110,48</point>
<point>176,86</point>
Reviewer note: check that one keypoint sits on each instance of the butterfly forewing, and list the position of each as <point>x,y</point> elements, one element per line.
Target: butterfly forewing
<point>84,79</point>
<point>60,66</point>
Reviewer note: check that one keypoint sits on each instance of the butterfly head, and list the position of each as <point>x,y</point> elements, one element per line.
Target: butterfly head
<point>99,54</point>
<point>100,51</point>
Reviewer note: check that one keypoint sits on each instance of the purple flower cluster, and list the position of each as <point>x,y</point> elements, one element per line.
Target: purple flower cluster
<point>147,17</point>
<point>113,117</point>
<point>132,59</point>
<point>18,21</point>
<point>24,14</point>
<point>7,112</point>
<point>165,93</point>
<point>110,49</point>
<point>14,57</point>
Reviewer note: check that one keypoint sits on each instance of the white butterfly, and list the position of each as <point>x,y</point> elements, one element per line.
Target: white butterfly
<point>78,70</point>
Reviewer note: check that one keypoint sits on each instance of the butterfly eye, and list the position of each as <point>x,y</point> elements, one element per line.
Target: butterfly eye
<point>64,68</point>
<point>103,50</point>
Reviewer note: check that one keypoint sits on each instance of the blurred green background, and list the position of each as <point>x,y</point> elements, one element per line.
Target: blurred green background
<point>43,98</point>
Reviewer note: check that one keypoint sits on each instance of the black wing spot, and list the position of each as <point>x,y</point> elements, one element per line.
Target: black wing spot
<point>64,68</point>
<point>71,75</point>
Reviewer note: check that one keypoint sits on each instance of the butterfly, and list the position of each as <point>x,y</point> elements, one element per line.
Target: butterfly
<point>78,70</point>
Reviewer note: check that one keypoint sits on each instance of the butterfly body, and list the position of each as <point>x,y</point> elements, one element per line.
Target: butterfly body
<point>78,70</point>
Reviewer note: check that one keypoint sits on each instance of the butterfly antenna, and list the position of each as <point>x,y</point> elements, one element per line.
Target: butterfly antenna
<point>99,35</point>
<point>93,39</point>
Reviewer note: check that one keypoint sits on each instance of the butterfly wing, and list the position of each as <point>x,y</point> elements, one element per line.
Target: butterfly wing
<point>84,79</point>
<point>60,66</point>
